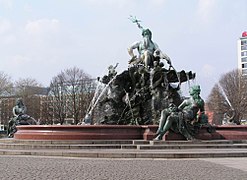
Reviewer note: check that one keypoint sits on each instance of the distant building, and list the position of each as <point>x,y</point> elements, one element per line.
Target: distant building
<point>242,53</point>
<point>45,106</point>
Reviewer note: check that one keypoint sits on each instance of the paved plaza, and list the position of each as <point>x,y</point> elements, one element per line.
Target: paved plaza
<point>31,167</point>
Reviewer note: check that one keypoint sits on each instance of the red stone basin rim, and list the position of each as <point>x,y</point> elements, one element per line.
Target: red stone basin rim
<point>121,132</point>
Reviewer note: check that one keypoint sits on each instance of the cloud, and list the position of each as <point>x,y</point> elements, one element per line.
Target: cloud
<point>205,9</point>
<point>9,39</point>
<point>28,8</point>
<point>7,4</point>
<point>122,4</point>
<point>5,26</point>
<point>208,70</point>
<point>115,3</point>
<point>42,26</point>
<point>19,60</point>
<point>158,2</point>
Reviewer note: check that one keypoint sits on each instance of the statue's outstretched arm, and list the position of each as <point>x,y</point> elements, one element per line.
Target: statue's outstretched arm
<point>14,113</point>
<point>182,105</point>
<point>132,47</point>
<point>202,108</point>
<point>131,53</point>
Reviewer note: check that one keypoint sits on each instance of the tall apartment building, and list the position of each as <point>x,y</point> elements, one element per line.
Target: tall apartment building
<point>242,53</point>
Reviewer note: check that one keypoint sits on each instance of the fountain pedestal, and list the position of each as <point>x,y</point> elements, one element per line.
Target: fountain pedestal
<point>77,132</point>
<point>121,132</point>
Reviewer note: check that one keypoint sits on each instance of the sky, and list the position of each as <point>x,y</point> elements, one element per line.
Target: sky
<point>39,39</point>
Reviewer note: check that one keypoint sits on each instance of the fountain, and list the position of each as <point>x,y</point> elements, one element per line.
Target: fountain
<point>225,96</point>
<point>132,103</point>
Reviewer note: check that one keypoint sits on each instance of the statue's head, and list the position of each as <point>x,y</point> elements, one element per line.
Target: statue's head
<point>110,67</point>
<point>19,102</point>
<point>172,107</point>
<point>147,32</point>
<point>195,90</point>
<point>161,64</point>
<point>156,63</point>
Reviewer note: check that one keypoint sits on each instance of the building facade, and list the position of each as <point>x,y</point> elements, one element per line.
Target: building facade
<point>242,53</point>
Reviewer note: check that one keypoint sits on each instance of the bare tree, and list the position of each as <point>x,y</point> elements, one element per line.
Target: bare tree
<point>6,86</point>
<point>78,89</point>
<point>6,106</point>
<point>58,91</point>
<point>46,109</point>
<point>29,90</point>
<point>229,95</point>
<point>27,87</point>
<point>217,104</point>
<point>86,96</point>
<point>72,91</point>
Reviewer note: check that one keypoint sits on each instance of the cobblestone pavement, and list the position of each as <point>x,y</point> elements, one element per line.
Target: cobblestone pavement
<point>30,167</point>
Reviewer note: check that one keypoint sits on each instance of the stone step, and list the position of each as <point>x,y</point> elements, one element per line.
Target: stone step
<point>199,142</point>
<point>192,146</point>
<point>125,148</point>
<point>202,153</point>
<point>16,141</point>
<point>134,142</point>
<point>57,146</point>
<point>122,146</point>
<point>145,145</point>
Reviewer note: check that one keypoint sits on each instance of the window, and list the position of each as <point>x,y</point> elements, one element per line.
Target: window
<point>244,71</point>
<point>244,47</point>
<point>244,59</point>
<point>244,42</point>
<point>244,53</point>
<point>244,65</point>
